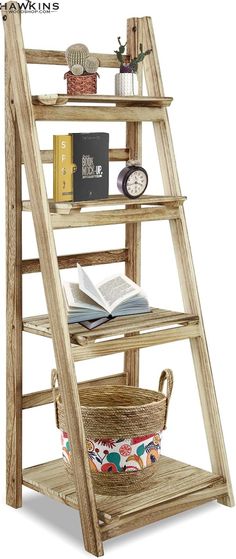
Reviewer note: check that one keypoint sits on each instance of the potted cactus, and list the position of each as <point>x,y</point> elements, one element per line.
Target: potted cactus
<point>82,76</point>
<point>126,82</point>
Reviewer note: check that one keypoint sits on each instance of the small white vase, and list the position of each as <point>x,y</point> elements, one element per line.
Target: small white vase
<point>126,84</point>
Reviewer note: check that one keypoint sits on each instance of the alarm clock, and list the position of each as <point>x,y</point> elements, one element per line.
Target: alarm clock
<point>132,181</point>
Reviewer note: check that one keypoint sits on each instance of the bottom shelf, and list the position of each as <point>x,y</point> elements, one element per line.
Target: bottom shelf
<point>179,487</point>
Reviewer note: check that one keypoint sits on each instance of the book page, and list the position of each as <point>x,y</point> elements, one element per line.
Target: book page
<point>77,299</point>
<point>117,289</point>
<point>87,286</point>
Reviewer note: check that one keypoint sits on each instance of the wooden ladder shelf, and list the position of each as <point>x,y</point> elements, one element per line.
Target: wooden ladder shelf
<point>185,486</point>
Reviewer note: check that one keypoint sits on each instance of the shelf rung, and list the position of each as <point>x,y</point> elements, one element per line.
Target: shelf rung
<point>87,259</point>
<point>118,154</point>
<point>35,56</point>
<point>100,114</point>
<point>112,217</point>
<point>43,397</point>
<point>138,341</point>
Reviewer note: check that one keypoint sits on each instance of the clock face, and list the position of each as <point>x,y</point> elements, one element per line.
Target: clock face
<point>132,181</point>
<point>136,183</point>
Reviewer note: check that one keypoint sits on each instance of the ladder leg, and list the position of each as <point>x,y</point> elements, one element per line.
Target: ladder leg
<point>52,283</point>
<point>14,305</point>
<point>186,272</point>
<point>133,230</point>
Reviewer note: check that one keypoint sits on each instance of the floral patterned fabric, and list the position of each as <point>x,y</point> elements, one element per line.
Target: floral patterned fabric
<point>118,455</point>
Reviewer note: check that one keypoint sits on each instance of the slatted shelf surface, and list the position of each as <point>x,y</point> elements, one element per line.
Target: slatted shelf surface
<point>133,100</point>
<point>97,212</point>
<point>156,318</point>
<point>177,486</point>
<point>112,200</point>
<point>122,333</point>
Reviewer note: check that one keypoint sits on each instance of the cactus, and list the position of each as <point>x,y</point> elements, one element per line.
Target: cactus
<point>91,64</point>
<point>132,65</point>
<point>135,61</point>
<point>75,55</point>
<point>80,61</point>
<point>120,52</point>
<point>77,70</point>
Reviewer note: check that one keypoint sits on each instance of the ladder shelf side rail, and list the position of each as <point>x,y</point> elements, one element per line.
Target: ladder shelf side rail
<point>187,277</point>
<point>50,273</point>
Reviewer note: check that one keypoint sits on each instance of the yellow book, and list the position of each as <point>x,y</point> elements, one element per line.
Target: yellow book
<point>62,169</point>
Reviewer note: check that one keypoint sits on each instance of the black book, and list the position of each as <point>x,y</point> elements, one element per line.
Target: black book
<point>90,155</point>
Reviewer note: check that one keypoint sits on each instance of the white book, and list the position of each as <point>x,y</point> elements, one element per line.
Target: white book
<point>115,296</point>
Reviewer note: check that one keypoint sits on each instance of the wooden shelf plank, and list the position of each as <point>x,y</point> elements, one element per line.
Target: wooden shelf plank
<point>177,487</point>
<point>36,56</point>
<point>113,217</point>
<point>32,265</point>
<point>157,318</point>
<point>139,341</point>
<point>115,154</point>
<point>134,113</point>
<point>141,518</point>
<point>43,397</point>
<point>112,200</point>
<point>149,208</point>
<point>132,100</point>
<point>183,326</point>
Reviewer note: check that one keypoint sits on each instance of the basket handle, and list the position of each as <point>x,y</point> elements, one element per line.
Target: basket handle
<point>54,384</point>
<point>166,376</point>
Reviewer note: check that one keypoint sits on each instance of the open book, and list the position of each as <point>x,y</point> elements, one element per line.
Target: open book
<point>115,296</point>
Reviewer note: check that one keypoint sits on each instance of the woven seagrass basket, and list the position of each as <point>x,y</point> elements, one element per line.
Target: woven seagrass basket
<point>123,426</point>
<point>85,84</point>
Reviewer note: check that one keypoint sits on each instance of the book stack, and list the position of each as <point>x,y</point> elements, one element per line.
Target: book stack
<point>80,166</point>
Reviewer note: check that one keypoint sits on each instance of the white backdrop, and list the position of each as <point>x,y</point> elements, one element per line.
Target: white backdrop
<point>196,44</point>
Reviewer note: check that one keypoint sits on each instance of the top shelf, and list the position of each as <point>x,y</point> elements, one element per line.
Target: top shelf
<point>102,108</point>
<point>133,100</point>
